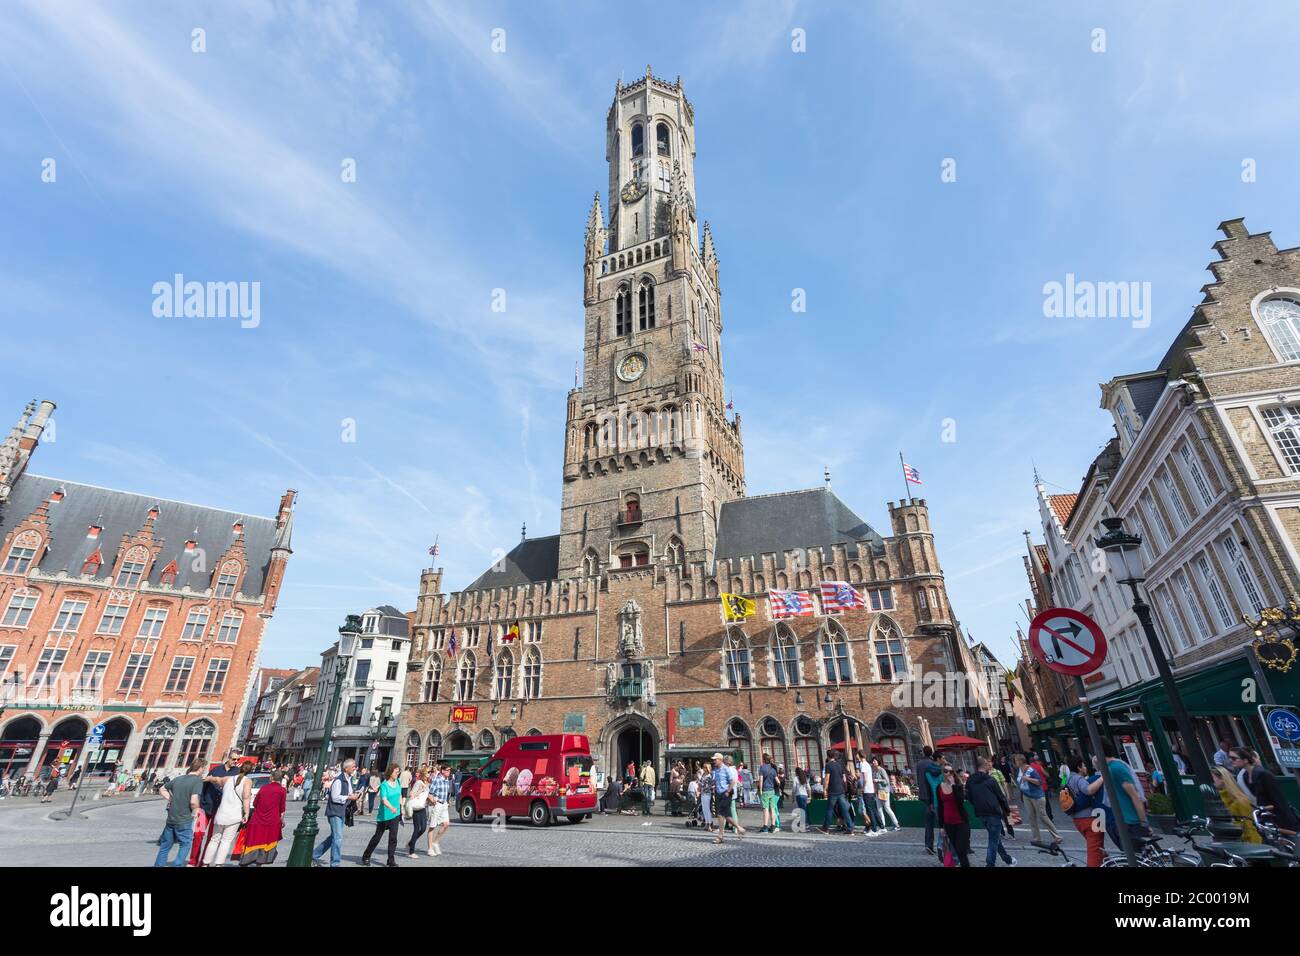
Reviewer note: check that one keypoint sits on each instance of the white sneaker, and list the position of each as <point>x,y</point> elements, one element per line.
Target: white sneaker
<point>437,850</point>
<point>431,853</point>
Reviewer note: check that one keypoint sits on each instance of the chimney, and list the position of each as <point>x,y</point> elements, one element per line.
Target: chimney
<point>32,434</point>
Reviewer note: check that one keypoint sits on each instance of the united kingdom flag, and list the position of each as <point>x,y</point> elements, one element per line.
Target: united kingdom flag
<point>840,596</point>
<point>783,604</point>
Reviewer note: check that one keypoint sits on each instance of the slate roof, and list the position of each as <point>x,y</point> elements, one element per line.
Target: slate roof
<point>123,513</point>
<point>1145,392</point>
<point>530,561</point>
<point>747,527</point>
<point>392,622</point>
<point>815,517</point>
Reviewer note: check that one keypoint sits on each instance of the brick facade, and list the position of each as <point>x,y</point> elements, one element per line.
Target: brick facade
<point>141,613</point>
<point>621,631</point>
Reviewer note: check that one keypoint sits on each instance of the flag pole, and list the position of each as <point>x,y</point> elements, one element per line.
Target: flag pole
<point>906,484</point>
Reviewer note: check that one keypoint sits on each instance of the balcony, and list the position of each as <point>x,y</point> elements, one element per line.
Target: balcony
<point>628,517</point>
<point>629,688</point>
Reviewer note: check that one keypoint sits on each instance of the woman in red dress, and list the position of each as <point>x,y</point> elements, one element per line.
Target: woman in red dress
<point>266,823</point>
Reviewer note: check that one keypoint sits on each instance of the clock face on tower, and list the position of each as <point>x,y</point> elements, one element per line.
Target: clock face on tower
<point>632,367</point>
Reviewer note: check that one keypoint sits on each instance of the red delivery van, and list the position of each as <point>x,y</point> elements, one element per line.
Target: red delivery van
<point>536,777</point>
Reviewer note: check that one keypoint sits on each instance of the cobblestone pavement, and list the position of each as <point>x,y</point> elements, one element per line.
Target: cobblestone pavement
<point>122,831</point>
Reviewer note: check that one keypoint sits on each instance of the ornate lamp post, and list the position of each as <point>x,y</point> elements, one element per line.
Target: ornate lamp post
<point>304,835</point>
<point>1122,548</point>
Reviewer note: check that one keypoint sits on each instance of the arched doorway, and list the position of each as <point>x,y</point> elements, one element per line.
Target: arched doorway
<point>17,744</point>
<point>116,733</point>
<point>459,740</point>
<point>64,744</point>
<point>632,740</point>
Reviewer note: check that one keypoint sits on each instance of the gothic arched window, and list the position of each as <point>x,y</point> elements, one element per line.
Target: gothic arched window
<point>891,656</point>
<point>623,312</point>
<point>432,678</point>
<point>504,684</point>
<point>785,657</point>
<point>661,139</point>
<point>465,676</point>
<point>646,305</point>
<point>590,564</point>
<point>835,654</point>
<point>532,674</point>
<point>736,658</point>
<point>638,140</point>
<point>673,553</point>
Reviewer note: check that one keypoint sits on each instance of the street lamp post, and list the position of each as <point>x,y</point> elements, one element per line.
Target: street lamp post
<point>1123,547</point>
<point>304,834</point>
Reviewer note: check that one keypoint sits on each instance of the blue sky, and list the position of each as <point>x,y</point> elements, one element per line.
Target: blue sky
<point>817,170</point>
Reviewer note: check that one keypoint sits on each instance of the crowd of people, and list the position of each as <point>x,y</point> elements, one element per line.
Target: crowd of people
<point>216,813</point>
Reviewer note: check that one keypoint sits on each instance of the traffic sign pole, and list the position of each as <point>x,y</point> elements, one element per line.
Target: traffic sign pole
<point>1108,783</point>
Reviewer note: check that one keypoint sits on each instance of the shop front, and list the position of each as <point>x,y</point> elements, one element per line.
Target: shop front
<point>1222,700</point>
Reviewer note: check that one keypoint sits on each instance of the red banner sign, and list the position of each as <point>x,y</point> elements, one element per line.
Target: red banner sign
<point>464,715</point>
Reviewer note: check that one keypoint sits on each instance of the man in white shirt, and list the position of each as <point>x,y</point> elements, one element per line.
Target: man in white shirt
<point>867,781</point>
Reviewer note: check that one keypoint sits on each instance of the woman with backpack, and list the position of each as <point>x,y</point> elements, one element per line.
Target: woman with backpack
<point>1079,800</point>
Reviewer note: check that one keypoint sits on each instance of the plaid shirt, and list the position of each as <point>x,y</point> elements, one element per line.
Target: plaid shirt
<point>439,789</point>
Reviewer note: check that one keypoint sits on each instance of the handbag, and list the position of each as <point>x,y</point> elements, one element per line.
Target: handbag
<point>882,795</point>
<point>948,861</point>
<point>414,803</point>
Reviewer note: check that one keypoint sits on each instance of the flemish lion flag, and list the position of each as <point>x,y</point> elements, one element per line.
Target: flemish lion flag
<point>736,608</point>
<point>511,634</point>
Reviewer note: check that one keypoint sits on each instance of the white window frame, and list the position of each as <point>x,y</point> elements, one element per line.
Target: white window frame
<point>19,563</point>
<point>1194,474</point>
<point>1284,351</point>
<point>22,614</point>
<point>1172,497</point>
<point>225,626</point>
<point>119,620</point>
<point>1189,597</point>
<point>1121,412</point>
<point>1247,587</point>
<point>151,623</point>
<point>1154,519</point>
<point>1174,622</point>
<point>196,623</point>
<point>1210,581</point>
<point>71,613</point>
<point>99,661</point>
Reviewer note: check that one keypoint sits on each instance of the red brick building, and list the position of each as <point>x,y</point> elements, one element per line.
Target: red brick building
<point>143,614</point>
<point>620,631</point>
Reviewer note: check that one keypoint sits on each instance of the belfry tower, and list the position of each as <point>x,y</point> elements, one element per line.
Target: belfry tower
<point>650,454</point>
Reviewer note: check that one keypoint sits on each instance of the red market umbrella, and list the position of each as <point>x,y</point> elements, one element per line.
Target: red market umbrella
<point>840,746</point>
<point>959,742</point>
<point>882,749</point>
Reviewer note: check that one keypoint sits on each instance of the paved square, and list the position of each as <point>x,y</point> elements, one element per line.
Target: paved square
<point>122,832</point>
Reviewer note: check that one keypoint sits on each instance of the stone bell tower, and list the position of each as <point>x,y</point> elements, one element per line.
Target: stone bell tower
<point>650,453</point>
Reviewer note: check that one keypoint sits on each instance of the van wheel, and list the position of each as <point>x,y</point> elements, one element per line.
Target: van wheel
<point>577,817</point>
<point>467,812</point>
<point>539,814</point>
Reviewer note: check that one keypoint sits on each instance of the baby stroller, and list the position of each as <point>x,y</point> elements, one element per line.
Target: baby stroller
<point>693,810</point>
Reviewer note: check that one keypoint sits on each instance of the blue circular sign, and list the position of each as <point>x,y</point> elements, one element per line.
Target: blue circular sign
<point>1284,724</point>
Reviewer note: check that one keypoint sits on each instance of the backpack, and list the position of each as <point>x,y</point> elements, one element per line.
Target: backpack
<point>1071,805</point>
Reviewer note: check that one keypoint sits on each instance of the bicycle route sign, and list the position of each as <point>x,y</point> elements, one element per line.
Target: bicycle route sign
<point>1067,641</point>
<point>1283,726</point>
